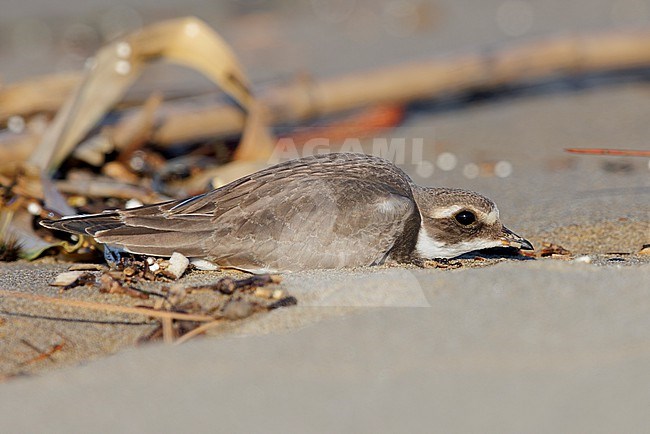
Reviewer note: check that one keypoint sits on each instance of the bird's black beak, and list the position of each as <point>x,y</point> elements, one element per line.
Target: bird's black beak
<point>511,239</point>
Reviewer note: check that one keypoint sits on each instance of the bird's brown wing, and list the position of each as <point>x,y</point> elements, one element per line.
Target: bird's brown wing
<point>329,223</point>
<point>319,212</point>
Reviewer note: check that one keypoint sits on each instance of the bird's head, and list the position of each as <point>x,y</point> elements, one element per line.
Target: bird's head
<point>455,222</point>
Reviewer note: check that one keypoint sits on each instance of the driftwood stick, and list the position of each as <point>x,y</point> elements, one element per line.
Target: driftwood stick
<point>605,151</point>
<point>422,81</point>
<point>79,304</point>
<point>399,84</point>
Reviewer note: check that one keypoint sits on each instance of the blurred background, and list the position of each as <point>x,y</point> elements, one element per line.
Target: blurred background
<point>323,37</point>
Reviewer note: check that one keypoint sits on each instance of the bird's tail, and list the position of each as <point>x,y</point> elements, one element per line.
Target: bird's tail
<point>88,224</point>
<point>142,235</point>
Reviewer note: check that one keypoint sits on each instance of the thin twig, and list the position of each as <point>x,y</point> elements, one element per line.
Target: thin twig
<point>42,354</point>
<point>607,151</point>
<point>107,307</point>
<point>197,331</point>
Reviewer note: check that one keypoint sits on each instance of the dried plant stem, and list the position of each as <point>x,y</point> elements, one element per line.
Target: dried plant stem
<point>484,69</point>
<point>167,330</point>
<point>42,354</point>
<point>107,307</point>
<point>606,151</point>
<point>198,331</point>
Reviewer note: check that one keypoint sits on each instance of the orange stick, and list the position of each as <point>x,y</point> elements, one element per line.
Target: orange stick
<point>606,151</point>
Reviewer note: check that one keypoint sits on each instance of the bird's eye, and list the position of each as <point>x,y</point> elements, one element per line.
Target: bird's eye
<point>465,218</point>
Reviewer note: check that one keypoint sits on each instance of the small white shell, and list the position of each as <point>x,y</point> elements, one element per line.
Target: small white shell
<point>204,265</point>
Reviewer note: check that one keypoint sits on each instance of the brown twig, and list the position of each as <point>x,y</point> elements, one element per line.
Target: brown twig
<point>197,331</point>
<point>107,307</point>
<point>168,330</point>
<point>42,354</point>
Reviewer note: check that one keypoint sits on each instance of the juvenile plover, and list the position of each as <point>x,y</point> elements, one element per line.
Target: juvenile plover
<point>325,211</point>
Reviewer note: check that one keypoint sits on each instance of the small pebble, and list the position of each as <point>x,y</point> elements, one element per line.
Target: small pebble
<point>154,267</point>
<point>277,294</point>
<point>67,278</point>
<point>584,259</point>
<point>177,265</point>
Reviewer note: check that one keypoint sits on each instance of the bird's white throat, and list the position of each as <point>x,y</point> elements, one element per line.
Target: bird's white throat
<point>429,248</point>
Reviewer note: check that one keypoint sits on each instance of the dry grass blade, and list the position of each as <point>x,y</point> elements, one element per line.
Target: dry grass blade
<point>187,41</point>
<point>107,307</point>
<point>256,143</point>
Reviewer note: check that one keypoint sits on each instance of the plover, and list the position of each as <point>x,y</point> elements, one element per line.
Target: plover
<point>325,211</point>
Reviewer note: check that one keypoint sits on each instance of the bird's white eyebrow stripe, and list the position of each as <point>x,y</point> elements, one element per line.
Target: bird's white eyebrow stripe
<point>446,212</point>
